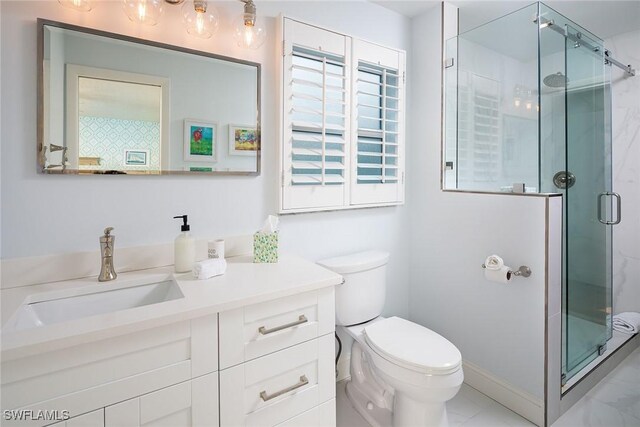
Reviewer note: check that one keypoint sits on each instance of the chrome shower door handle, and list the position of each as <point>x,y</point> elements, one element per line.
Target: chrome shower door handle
<point>618,208</point>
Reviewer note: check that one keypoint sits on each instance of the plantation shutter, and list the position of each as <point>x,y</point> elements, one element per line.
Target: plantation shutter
<point>316,83</point>
<point>377,164</point>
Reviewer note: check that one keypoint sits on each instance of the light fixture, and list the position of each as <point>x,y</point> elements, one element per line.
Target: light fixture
<point>517,96</point>
<point>249,31</point>
<point>143,11</point>
<point>81,5</point>
<point>529,103</point>
<point>200,18</point>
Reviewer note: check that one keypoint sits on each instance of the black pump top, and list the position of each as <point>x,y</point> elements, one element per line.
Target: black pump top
<point>185,226</point>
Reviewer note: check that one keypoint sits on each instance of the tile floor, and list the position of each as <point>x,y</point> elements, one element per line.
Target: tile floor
<point>613,402</point>
<point>469,408</point>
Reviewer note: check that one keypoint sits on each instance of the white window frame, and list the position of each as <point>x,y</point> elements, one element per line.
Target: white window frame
<point>351,194</point>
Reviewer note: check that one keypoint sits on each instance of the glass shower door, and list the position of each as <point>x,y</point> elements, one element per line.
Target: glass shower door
<point>587,187</point>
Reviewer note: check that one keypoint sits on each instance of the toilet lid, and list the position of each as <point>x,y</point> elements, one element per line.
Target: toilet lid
<point>412,346</point>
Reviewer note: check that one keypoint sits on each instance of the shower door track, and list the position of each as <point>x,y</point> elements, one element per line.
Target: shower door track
<point>608,59</point>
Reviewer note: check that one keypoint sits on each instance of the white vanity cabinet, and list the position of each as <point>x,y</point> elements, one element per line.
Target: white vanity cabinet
<point>89,377</point>
<point>191,403</point>
<point>277,362</point>
<point>254,347</point>
<point>92,419</point>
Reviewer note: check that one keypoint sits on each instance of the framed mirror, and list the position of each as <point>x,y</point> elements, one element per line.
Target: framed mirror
<point>113,104</point>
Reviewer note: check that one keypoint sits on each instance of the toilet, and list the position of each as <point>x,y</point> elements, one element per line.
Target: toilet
<point>402,374</point>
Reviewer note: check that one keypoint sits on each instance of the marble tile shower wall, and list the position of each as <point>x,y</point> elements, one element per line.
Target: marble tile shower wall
<point>108,138</point>
<point>626,173</point>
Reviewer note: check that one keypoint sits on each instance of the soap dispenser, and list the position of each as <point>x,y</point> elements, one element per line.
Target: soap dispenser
<point>185,248</point>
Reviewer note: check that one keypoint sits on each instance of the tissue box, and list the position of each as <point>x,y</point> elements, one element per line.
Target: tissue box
<point>265,247</point>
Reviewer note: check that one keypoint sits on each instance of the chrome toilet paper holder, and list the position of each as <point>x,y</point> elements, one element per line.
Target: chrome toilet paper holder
<point>523,271</point>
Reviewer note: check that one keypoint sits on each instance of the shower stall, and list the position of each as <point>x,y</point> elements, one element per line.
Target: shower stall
<point>528,108</point>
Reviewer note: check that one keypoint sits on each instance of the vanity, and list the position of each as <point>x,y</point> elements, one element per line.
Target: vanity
<point>252,347</point>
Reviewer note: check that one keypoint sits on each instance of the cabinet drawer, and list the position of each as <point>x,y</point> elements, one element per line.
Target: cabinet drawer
<point>277,387</point>
<point>256,330</point>
<point>320,416</point>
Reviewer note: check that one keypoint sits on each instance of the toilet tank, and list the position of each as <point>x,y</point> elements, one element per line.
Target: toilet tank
<point>362,295</point>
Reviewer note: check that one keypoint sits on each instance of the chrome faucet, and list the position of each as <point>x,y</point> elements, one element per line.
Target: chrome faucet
<point>107,271</point>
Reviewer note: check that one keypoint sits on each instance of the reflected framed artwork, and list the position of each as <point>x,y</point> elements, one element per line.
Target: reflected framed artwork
<point>136,157</point>
<point>243,140</point>
<point>200,140</point>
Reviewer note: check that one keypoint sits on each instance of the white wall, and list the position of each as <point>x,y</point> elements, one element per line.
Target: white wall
<point>626,172</point>
<point>60,214</point>
<point>497,327</point>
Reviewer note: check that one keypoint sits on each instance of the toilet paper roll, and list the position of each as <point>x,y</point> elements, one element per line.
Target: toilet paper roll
<point>501,276</point>
<point>493,262</point>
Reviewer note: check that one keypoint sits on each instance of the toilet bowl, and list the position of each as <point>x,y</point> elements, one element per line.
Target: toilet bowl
<point>402,374</point>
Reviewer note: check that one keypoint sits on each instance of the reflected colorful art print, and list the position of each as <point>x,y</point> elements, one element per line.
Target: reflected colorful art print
<point>243,140</point>
<point>200,141</point>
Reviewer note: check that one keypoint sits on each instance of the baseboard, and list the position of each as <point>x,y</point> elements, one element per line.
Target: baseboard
<point>519,401</point>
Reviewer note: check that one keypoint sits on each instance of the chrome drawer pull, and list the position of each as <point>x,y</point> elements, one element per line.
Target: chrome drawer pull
<point>303,382</point>
<point>301,319</point>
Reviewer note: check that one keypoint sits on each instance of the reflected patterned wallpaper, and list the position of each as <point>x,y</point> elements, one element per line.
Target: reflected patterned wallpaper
<point>108,139</point>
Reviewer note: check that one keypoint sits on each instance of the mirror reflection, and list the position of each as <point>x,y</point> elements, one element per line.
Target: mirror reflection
<point>116,105</point>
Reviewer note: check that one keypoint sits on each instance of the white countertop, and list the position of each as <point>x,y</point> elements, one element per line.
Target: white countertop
<point>244,283</point>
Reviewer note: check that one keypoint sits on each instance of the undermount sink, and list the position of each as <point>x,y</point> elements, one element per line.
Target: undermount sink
<point>60,309</point>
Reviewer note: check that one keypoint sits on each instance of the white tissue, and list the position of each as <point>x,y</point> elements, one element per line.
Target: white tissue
<point>493,262</point>
<point>501,275</point>
<point>209,268</point>
<point>270,224</point>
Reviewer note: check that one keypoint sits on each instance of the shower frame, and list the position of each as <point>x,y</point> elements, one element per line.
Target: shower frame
<point>603,204</point>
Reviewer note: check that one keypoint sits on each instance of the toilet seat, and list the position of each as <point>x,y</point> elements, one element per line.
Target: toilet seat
<point>412,346</point>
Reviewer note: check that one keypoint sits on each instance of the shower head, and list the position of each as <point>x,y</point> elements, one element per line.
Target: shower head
<point>556,80</point>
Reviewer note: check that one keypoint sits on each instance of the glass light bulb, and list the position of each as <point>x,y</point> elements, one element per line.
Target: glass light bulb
<point>143,11</point>
<point>200,18</point>
<point>249,32</point>
<point>528,105</point>
<point>516,102</point>
<point>199,22</point>
<point>80,5</point>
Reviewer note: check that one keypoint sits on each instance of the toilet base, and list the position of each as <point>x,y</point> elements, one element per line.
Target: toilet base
<point>411,413</point>
<point>373,414</point>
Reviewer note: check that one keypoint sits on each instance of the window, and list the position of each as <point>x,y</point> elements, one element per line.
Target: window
<point>378,132</point>
<point>342,121</point>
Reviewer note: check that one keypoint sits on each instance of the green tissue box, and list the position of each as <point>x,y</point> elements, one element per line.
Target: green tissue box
<point>265,247</point>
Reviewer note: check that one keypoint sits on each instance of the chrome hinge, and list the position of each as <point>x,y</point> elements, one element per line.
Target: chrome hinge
<point>563,379</point>
<point>404,77</point>
<point>448,63</point>
<point>283,48</point>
